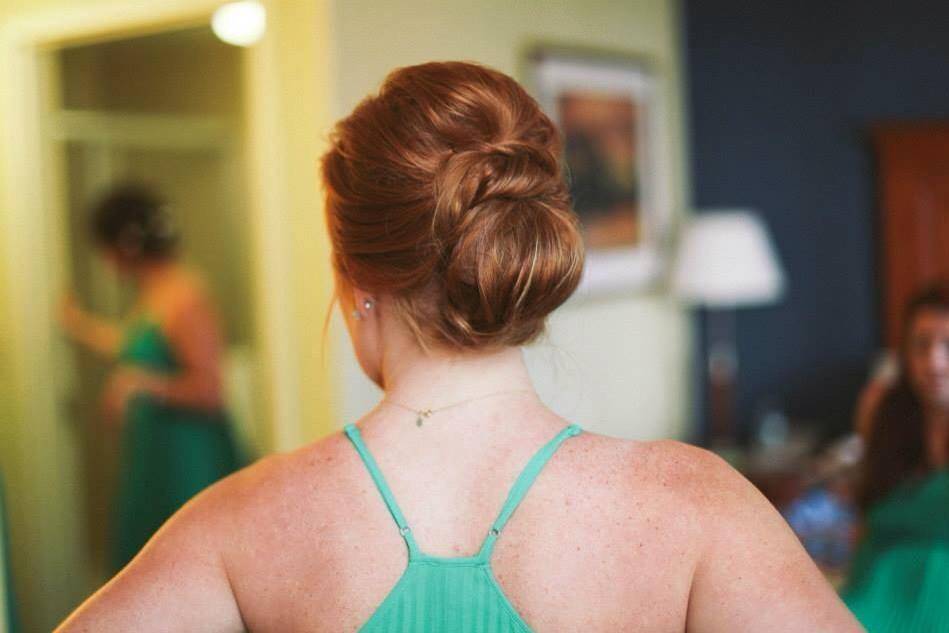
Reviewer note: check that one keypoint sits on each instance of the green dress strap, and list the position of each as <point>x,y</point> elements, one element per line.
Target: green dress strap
<point>522,485</point>
<point>352,432</point>
<point>461,594</point>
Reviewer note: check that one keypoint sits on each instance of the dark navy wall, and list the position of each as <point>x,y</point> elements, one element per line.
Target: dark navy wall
<point>781,94</point>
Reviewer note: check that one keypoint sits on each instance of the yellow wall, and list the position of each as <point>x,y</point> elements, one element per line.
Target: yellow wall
<point>619,364</point>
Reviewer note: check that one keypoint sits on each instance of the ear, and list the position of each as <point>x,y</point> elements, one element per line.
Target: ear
<point>363,302</point>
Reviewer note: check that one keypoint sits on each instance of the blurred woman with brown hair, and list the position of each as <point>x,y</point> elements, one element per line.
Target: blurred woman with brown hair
<point>460,502</point>
<point>900,574</point>
<point>165,390</point>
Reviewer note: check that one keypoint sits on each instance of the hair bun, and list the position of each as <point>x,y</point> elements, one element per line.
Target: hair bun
<point>501,212</point>
<point>509,170</point>
<point>136,222</point>
<point>446,192</point>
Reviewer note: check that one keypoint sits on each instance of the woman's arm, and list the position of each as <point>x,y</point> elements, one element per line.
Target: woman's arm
<point>753,574</point>
<point>96,334</point>
<point>884,375</point>
<point>867,404</point>
<point>178,582</point>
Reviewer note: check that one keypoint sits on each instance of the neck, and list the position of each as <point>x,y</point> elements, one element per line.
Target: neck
<point>436,379</point>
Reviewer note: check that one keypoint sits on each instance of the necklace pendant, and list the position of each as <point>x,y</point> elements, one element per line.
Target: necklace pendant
<point>422,415</point>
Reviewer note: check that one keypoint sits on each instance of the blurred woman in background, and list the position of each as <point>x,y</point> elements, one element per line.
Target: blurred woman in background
<point>165,390</point>
<point>899,577</point>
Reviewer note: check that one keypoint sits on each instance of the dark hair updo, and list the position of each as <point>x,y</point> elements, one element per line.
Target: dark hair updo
<point>445,191</point>
<point>134,222</point>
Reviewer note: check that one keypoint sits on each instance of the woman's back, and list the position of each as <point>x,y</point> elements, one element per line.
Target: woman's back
<point>572,542</point>
<point>608,538</point>
<point>613,535</point>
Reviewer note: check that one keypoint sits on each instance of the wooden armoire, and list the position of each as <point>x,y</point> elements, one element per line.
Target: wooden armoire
<point>913,184</point>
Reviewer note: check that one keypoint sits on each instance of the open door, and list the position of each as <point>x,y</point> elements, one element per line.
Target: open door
<point>286,91</point>
<point>164,110</point>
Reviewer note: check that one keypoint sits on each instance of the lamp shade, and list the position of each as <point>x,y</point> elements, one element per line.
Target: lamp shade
<point>726,260</point>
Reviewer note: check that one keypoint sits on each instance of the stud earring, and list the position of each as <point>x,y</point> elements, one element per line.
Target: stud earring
<point>367,306</point>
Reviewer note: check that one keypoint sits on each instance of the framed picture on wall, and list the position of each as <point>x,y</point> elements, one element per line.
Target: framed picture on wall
<point>607,108</point>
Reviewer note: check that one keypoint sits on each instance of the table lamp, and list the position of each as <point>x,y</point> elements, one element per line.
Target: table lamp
<point>725,260</point>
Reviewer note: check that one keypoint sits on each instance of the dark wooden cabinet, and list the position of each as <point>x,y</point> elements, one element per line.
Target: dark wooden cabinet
<point>913,177</point>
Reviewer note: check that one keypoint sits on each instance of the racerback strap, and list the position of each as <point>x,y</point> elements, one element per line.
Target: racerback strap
<point>352,432</point>
<point>522,485</point>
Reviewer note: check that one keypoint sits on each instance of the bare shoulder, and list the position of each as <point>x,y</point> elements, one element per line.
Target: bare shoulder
<point>187,293</point>
<point>276,483</point>
<point>706,481</point>
<point>693,477</point>
<point>674,494</point>
<point>748,569</point>
<point>689,489</point>
<point>189,574</point>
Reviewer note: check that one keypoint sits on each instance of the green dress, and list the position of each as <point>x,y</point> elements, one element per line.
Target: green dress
<point>9,618</point>
<point>899,580</point>
<point>169,453</point>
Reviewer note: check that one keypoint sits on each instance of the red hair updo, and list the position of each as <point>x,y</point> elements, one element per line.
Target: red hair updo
<point>445,192</point>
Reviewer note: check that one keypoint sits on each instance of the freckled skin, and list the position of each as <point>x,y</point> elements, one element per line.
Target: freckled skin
<point>614,536</point>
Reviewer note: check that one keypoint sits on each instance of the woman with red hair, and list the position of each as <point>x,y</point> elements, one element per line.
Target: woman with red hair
<point>460,502</point>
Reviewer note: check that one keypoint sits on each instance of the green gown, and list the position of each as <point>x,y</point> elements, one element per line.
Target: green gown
<point>168,454</point>
<point>9,618</point>
<point>899,580</point>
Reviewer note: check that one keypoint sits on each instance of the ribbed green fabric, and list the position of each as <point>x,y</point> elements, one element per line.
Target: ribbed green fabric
<point>451,594</point>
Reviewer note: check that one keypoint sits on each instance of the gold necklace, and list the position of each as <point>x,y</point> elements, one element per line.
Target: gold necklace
<point>423,414</point>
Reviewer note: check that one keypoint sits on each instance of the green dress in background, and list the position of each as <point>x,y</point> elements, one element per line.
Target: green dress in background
<point>9,618</point>
<point>169,453</point>
<point>899,580</point>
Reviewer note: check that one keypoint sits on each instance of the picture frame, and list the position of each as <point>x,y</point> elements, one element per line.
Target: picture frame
<point>608,107</point>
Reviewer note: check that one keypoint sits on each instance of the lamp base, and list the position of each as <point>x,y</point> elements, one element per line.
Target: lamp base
<point>722,370</point>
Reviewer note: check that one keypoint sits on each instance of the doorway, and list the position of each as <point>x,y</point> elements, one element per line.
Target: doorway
<point>287,83</point>
<point>164,110</point>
